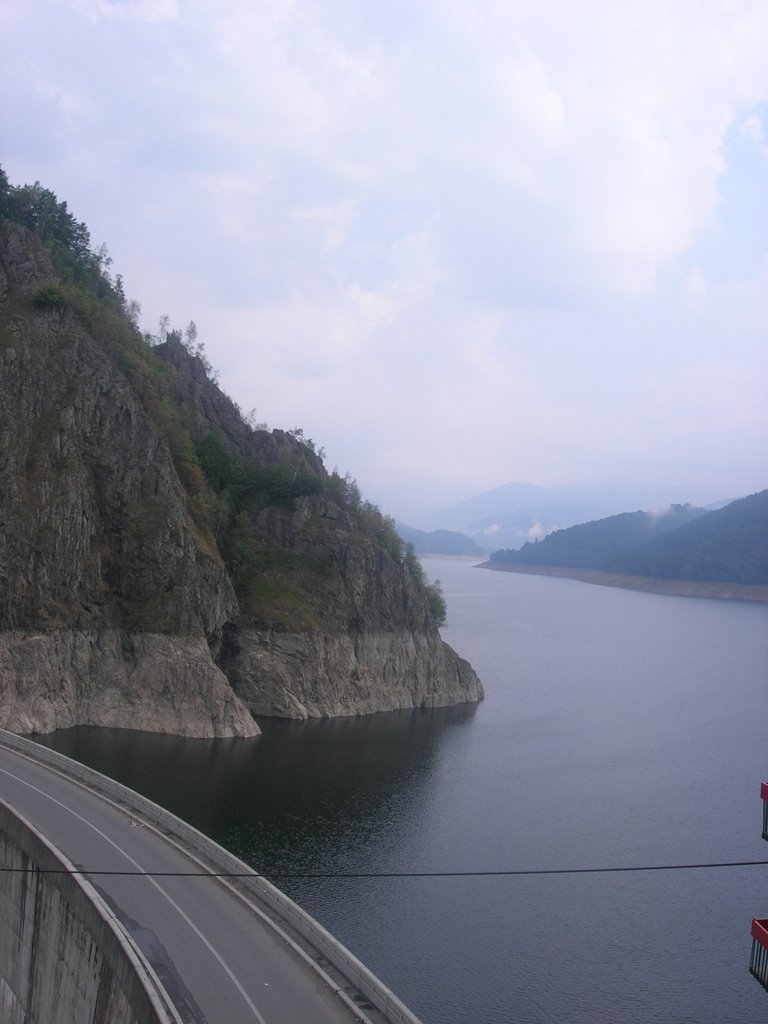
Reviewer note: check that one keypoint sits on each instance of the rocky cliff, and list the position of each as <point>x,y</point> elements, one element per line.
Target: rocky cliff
<point>164,566</point>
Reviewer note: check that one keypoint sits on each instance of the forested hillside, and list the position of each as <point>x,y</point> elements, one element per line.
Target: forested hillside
<point>685,543</point>
<point>588,545</point>
<point>729,545</point>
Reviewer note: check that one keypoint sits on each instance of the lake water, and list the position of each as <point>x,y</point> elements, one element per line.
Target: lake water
<point>619,729</point>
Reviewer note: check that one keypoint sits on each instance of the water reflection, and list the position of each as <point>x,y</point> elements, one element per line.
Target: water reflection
<point>322,795</point>
<point>618,728</point>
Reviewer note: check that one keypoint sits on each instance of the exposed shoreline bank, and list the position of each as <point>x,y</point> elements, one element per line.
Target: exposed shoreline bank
<point>677,588</point>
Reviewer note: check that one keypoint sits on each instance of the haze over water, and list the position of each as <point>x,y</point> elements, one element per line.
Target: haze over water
<point>618,729</point>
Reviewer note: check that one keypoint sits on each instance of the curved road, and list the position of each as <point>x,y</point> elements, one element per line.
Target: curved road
<point>219,962</point>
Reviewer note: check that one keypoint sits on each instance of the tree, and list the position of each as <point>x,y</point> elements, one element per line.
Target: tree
<point>104,261</point>
<point>5,192</point>
<point>38,209</point>
<point>120,292</point>
<point>133,311</point>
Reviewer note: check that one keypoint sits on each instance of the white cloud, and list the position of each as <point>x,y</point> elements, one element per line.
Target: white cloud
<point>536,531</point>
<point>333,220</point>
<point>525,90</point>
<point>128,10</point>
<point>69,104</point>
<point>488,216</point>
<point>753,128</point>
<point>697,288</point>
<point>305,338</point>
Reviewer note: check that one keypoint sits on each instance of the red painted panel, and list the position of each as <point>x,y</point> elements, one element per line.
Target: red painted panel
<point>760,930</point>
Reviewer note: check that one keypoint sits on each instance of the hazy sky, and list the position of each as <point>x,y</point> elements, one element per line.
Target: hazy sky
<point>459,243</point>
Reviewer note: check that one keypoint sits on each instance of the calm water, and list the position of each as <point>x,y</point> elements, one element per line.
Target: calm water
<point>618,729</point>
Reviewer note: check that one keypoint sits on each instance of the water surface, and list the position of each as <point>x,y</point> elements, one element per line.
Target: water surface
<point>619,729</point>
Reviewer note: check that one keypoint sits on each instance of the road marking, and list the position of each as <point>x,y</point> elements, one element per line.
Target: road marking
<point>154,882</point>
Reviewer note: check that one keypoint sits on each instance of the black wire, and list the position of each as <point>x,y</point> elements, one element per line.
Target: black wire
<point>396,874</point>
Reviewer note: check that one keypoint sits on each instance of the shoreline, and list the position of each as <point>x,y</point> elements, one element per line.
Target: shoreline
<point>756,593</point>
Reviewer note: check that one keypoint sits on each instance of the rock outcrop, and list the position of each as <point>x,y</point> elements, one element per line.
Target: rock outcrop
<point>317,675</point>
<point>142,588</point>
<point>377,648</point>
<point>114,678</point>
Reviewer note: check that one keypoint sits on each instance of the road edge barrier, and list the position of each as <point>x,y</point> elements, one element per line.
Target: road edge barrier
<point>143,990</point>
<point>390,1006</point>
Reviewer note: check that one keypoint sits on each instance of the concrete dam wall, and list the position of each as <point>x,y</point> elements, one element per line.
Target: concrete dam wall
<point>63,956</point>
<point>49,918</point>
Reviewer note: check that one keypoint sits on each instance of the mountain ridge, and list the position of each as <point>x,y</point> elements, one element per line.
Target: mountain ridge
<point>164,565</point>
<point>726,545</point>
<point>512,514</point>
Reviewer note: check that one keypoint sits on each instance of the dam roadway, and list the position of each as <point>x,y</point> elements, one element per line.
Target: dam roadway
<point>221,957</point>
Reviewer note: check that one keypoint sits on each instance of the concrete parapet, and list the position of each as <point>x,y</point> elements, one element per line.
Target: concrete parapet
<point>63,955</point>
<point>353,981</point>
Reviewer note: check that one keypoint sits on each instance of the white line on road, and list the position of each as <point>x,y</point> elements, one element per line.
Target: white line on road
<point>156,884</point>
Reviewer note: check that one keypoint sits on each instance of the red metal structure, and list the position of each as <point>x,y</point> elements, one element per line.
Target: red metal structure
<point>758,961</point>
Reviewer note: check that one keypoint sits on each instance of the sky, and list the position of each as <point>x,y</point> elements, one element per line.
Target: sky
<point>458,243</point>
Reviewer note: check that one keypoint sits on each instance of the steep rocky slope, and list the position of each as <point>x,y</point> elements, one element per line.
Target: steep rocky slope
<point>163,566</point>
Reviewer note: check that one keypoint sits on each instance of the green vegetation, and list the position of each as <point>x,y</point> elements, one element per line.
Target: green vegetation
<point>49,296</point>
<point>283,588</point>
<point>726,546</point>
<point>432,591</point>
<point>87,290</point>
<point>244,484</point>
<point>38,209</point>
<point>226,489</point>
<point>589,544</point>
<point>685,543</point>
<point>239,489</point>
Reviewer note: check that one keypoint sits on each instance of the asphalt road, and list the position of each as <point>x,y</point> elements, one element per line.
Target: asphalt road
<point>219,962</point>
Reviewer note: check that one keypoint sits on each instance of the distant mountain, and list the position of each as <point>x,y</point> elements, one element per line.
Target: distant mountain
<point>510,515</point>
<point>729,545</point>
<point>488,505</point>
<point>589,545</point>
<point>438,542</point>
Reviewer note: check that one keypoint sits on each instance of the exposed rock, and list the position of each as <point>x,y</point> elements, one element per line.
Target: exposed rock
<point>116,606</point>
<point>110,678</point>
<point>317,675</point>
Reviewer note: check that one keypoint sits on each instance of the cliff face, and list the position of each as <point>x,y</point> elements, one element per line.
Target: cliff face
<point>108,600</point>
<point>372,645</point>
<point>116,605</point>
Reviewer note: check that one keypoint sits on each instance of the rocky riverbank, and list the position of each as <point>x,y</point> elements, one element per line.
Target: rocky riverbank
<point>678,588</point>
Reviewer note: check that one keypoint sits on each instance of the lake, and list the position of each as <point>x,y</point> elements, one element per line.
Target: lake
<point>619,729</point>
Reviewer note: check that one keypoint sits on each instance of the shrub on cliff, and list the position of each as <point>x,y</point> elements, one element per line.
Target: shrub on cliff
<point>230,477</point>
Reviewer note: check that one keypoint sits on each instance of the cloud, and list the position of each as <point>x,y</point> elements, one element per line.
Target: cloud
<point>490,235</point>
<point>125,10</point>
<point>536,108</point>
<point>536,531</point>
<point>753,128</point>
<point>305,338</point>
<point>697,288</point>
<point>333,220</point>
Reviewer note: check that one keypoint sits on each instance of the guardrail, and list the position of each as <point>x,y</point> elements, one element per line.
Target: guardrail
<point>353,970</point>
<point>135,976</point>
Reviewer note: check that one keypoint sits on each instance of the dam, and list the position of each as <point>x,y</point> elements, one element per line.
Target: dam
<point>114,911</point>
